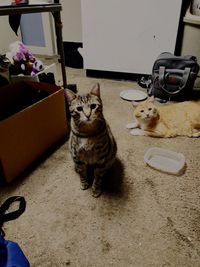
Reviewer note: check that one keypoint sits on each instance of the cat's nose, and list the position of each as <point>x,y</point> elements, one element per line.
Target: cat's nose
<point>87,117</point>
<point>87,113</point>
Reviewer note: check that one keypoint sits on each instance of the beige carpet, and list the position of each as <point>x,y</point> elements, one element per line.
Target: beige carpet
<point>144,218</point>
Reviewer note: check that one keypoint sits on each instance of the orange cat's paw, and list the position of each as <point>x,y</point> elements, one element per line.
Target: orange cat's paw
<point>132,125</point>
<point>196,134</point>
<point>137,132</point>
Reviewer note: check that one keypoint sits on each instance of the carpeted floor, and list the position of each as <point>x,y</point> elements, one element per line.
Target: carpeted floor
<point>144,217</point>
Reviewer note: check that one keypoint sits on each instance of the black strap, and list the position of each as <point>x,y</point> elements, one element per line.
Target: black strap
<point>6,216</point>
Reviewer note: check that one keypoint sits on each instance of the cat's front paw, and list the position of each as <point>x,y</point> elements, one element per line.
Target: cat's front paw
<point>84,185</point>
<point>96,192</point>
<point>137,132</point>
<point>195,133</point>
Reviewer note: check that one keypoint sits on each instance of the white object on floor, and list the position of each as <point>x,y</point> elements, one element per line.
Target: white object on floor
<point>133,95</point>
<point>165,160</point>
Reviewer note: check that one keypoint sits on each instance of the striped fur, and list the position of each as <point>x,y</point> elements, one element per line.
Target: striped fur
<point>91,141</point>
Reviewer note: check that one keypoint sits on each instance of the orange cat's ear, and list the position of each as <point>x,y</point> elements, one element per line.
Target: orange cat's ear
<point>135,103</point>
<point>151,99</point>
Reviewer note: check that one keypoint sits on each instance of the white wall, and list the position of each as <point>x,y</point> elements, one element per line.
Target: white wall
<point>71,18</point>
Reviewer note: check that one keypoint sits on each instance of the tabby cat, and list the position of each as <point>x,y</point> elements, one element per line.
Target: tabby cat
<point>174,119</point>
<point>91,141</point>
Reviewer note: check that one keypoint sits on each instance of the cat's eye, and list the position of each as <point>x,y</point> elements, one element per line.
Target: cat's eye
<point>142,110</point>
<point>93,106</point>
<point>79,108</point>
<point>149,109</point>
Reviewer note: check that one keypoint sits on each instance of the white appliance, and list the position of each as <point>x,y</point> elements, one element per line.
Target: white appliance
<point>127,36</point>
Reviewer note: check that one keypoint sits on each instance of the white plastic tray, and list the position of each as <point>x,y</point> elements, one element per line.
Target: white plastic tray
<point>165,160</point>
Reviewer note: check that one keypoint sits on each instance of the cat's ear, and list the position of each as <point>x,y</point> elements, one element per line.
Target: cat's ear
<point>135,103</point>
<point>69,95</point>
<point>95,90</point>
<point>151,99</point>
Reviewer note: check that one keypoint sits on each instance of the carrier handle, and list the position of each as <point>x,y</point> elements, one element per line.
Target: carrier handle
<point>162,73</point>
<point>6,216</point>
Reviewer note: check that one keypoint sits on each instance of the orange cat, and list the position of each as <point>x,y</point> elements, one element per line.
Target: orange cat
<point>176,119</point>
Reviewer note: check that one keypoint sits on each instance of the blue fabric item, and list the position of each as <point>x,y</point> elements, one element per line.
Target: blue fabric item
<point>11,254</point>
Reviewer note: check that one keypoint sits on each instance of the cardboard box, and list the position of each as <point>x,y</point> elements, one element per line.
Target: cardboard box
<point>32,119</point>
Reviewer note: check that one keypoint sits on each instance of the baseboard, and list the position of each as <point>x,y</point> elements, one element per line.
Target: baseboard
<point>114,75</point>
